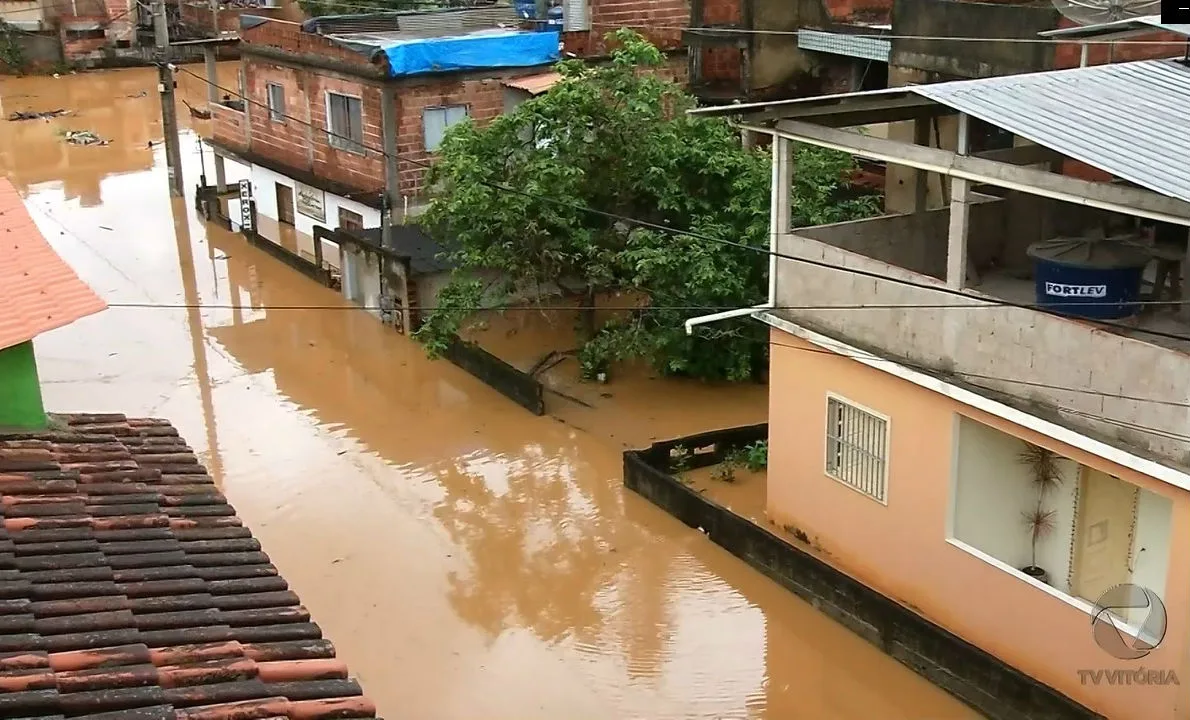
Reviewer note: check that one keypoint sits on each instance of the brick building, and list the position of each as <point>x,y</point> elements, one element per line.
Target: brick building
<point>341,114</point>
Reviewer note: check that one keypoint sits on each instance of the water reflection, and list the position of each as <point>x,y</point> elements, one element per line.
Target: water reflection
<point>467,559</point>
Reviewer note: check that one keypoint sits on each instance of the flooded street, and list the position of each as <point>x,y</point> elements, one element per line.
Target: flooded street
<point>467,559</point>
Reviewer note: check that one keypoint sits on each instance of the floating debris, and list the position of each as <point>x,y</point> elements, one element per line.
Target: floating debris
<point>84,137</point>
<point>198,113</point>
<point>36,115</point>
<point>140,94</point>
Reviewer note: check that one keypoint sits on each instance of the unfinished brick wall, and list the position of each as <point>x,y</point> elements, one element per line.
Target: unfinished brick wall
<point>300,140</point>
<point>484,100</point>
<point>229,126</point>
<point>720,12</point>
<point>1068,55</point>
<point>198,15</point>
<point>859,10</point>
<point>289,36</point>
<point>661,21</point>
<point>721,64</point>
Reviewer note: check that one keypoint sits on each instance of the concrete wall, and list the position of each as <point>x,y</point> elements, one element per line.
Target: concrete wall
<point>957,19</point>
<point>1069,364</point>
<point>901,549</point>
<point>917,241</point>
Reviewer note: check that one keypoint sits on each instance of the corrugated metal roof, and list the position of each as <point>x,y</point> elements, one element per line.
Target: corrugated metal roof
<point>38,290</point>
<point>845,44</point>
<point>1127,119</point>
<point>535,84</point>
<point>1129,26</point>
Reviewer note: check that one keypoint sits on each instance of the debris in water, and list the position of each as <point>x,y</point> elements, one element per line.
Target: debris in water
<point>140,94</point>
<point>84,137</point>
<point>197,113</point>
<point>104,227</point>
<point>37,115</point>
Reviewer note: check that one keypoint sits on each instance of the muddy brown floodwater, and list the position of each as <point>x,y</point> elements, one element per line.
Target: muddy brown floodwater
<point>468,560</point>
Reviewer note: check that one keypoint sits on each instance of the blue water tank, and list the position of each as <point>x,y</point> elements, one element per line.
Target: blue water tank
<point>1091,277</point>
<point>526,9</point>
<point>554,19</point>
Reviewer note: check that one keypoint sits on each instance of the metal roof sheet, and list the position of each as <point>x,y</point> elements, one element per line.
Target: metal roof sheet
<point>1119,28</point>
<point>535,84</point>
<point>1127,119</point>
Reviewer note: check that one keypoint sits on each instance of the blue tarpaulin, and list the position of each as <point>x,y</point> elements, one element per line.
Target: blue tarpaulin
<point>479,51</point>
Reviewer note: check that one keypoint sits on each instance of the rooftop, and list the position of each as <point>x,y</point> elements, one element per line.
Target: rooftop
<point>448,40</point>
<point>1124,118</point>
<point>130,589</point>
<point>38,290</point>
<point>1118,29</point>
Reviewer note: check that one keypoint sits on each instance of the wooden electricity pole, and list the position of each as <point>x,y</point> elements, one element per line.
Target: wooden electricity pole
<point>169,108</point>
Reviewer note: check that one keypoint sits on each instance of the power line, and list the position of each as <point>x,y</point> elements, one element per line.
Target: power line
<point>706,238</point>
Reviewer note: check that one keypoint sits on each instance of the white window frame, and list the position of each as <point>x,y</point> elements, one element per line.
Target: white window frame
<point>276,114</point>
<point>444,109</point>
<point>333,137</point>
<point>884,461</point>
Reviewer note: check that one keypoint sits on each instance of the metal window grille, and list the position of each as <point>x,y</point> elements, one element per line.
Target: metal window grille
<point>276,102</point>
<point>856,448</point>
<point>346,130</point>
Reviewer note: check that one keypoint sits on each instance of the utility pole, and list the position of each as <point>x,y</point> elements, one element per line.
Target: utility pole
<point>169,108</point>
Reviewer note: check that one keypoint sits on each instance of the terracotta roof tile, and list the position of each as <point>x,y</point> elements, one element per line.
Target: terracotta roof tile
<point>129,589</point>
<point>38,290</point>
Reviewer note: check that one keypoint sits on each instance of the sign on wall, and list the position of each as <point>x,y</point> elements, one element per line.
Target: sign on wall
<point>311,202</point>
<point>245,206</point>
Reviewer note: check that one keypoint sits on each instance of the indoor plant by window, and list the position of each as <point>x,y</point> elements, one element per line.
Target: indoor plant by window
<point>1046,476</point>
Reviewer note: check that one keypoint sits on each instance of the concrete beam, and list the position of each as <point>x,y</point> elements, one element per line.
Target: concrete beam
<point>877,104</point>
<point>921,178</point>
<point>1023,155</point>
<point>981,171</point>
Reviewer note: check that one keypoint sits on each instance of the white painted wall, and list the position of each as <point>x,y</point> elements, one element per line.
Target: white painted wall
<point>993,490</point>
<point>1150,543</point>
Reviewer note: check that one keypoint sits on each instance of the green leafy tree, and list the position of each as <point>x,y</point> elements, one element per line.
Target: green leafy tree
<point>609,142</point>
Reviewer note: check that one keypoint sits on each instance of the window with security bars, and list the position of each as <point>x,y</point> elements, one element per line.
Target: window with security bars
<point>856,448</point>
<point>346,123</point>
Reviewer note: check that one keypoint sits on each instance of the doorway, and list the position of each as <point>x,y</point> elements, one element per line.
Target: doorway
<point>285,206</point>
<point>1103,534</point>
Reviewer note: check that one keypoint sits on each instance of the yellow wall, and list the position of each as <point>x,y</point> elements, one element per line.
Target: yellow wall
<point>901,548</point>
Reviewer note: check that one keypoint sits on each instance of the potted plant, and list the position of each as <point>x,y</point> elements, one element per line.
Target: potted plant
<point>1046,476</point>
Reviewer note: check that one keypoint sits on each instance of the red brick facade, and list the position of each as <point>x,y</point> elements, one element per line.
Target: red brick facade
<point>300,141</point>
<point>660,21</point>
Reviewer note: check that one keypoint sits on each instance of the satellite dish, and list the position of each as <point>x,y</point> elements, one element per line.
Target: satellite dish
<point>1095,12</point>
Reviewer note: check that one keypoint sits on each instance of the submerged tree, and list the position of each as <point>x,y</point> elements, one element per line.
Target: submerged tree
<point>577,185</point>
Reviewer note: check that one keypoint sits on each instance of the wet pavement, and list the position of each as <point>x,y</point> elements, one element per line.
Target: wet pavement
<point>468,559</point>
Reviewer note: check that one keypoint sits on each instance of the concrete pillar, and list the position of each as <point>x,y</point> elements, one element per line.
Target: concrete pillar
<point>392,170</point>
<point>208,56</point>
<point>781,205</point>
<point>960,215</point>
<point>220,174</point>
<point>921,178</point>
<point>20,389</point>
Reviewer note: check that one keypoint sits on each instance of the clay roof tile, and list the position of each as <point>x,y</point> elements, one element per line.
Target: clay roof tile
<point>129,589</point>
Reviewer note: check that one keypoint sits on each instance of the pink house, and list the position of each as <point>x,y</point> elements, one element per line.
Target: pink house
<point>986,431</point>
